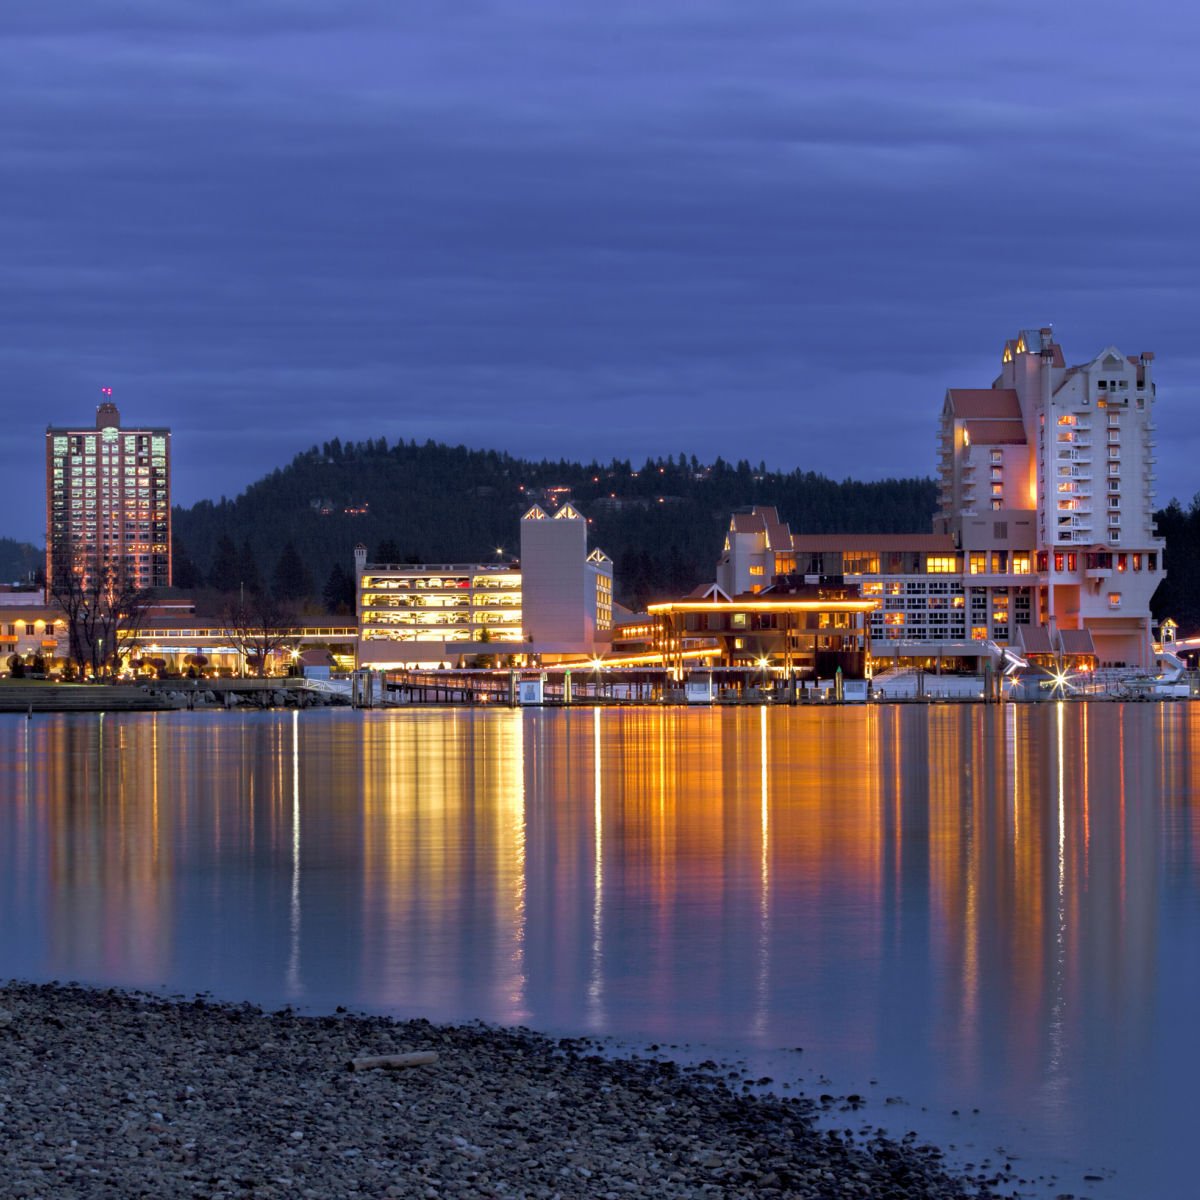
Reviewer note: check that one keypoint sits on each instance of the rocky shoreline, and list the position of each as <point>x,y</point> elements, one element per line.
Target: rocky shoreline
<point>117,1094</point>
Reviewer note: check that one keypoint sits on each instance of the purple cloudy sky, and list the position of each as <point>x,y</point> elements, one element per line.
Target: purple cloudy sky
<point>772,229</point>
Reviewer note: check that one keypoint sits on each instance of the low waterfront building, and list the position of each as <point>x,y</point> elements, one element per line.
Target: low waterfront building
<point>804,631</point>
<point>555,603</point>
<point>29,630</point>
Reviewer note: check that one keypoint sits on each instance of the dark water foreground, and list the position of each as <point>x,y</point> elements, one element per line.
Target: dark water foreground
<point>109,1094</point>
<point>950,910</point>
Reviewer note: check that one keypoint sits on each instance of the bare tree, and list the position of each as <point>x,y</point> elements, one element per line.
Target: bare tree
<point>258,626</point>
<point>103,607</point>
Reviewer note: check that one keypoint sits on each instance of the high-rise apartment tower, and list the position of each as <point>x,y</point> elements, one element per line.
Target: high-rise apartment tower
<point>1057,462</point>
<point>108,501</point>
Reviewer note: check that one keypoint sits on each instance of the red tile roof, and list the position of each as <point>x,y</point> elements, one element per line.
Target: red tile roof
<point>985,403</point>
<point>1077,641</point>
<point>1035,639</point>
<point>925,543</point>
<point>996,433</point>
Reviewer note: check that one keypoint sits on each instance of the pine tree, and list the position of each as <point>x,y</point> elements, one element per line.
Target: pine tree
<point>291,579</point>
<point>388,552</point>
<point>338,592</point>
<point>248,573</point>
<point>223,576</point>
<point>184,573</point>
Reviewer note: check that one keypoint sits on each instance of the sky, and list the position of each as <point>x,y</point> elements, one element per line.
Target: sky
<point>764,229</point>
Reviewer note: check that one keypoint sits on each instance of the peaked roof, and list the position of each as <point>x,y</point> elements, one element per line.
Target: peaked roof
<point>996,433</point>
<point>984,403</point>
<point>707,591</point>
<point>1077,641</point>
<point>937,543</point>
<point>764,519</point>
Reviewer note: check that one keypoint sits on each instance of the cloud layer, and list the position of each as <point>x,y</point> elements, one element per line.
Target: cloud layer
<point>758,229</point>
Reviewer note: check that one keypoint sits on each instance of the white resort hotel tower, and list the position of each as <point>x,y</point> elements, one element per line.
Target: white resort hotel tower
<point>1060,461</point>
<point>1044,538</point>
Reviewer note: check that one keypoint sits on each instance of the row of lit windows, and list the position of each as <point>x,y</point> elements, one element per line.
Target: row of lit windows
<point>448,635</point>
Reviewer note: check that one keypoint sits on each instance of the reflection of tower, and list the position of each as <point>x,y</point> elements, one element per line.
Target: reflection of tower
<point>293,983</point>
<point>595,989</point>
<point>110,865</point>
<point>443,874</point>
<point>763,980</point>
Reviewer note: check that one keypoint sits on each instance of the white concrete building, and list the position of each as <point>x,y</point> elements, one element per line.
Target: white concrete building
<point>1044,536</point>
<point>556,603</point>
<point>1058,461</point>
<point>567,590</point>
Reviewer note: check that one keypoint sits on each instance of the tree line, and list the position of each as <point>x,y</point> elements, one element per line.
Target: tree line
<point>1178,596</point>
<point>292,533</point>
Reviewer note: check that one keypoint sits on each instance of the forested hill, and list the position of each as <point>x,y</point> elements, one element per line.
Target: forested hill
<point>663,523</point>
<point>19,561</point>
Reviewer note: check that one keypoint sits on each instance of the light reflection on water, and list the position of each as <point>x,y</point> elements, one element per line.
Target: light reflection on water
<point>992,907</point>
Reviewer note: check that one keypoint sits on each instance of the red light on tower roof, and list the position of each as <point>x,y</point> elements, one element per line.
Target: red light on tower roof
<point>106,391</point>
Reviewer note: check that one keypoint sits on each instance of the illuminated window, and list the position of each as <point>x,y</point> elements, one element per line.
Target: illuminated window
<point>757,571</point>
<point>893,618</point>
<point>978,563</point>
<point>860,563</point>
<point>1114,599</point>
<point>1066,419</point>
<point>1021,562</point>
<point>979,633</point>
<point>872,589</point>
<point>940,564</point>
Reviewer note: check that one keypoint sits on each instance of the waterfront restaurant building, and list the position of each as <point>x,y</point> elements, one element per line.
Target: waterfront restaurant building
<point>806,632</point>
<point>1044,536</point>
<point>555,603</point>
<point>108,500</point>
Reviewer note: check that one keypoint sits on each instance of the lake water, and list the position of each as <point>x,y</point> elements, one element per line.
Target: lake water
<point>948,907</point>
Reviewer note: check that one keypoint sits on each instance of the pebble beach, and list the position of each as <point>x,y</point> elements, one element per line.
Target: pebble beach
<point>117,1094</point>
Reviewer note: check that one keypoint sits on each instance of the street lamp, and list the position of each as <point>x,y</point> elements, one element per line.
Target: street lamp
<point>764,663</point>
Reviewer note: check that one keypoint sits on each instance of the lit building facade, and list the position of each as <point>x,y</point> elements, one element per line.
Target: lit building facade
<point>556,603</point>
<point>435,613</point>
<point>1044,534</point>
<point>29,628</point>
<point>568,591</point>
<point>1057,463</point>
<point>108,501</point>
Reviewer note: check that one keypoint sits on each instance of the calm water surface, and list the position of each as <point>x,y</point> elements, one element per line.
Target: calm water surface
<point>991,908</point>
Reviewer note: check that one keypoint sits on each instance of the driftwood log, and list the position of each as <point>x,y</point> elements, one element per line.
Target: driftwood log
<point>394,1062</point>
